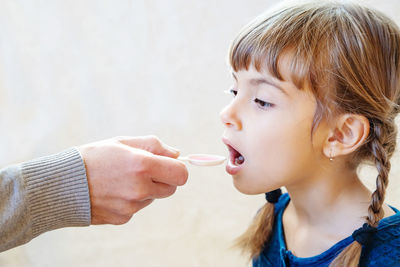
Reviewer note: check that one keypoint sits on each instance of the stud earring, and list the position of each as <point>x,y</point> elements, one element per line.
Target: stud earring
<point>330,155</point>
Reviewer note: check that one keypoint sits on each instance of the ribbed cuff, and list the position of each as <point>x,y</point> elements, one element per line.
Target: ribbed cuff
<point>58,192</point>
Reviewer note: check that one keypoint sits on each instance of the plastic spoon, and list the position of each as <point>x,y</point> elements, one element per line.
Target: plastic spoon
<point>203,159</point>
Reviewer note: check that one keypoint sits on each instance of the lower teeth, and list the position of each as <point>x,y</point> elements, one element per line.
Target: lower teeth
<point>239,160</point>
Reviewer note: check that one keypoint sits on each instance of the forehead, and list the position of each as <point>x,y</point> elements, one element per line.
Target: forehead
<point>253,77</point>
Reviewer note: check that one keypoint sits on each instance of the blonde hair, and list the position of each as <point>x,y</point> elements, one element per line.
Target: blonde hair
<point>349,57</point>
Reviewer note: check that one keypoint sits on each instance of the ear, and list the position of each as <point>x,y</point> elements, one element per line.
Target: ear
<point>347,134</point>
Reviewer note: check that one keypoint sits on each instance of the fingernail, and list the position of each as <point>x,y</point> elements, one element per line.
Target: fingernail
<point>172,149</point>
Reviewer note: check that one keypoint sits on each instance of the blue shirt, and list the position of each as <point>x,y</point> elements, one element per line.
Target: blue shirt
<point>383,250</point>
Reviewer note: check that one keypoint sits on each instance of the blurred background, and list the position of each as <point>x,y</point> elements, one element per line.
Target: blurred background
<point>73,72</point>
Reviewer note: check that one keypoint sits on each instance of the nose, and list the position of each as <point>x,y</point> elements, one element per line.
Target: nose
<point>230,117</point>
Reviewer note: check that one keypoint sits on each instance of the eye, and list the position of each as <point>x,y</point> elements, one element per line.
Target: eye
<point>231,92</point>
<point>262,104</point>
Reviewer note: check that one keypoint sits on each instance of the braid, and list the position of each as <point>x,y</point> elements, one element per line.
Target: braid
<point>356,70</point>
<point>382,163</point>
<point>381,146</point>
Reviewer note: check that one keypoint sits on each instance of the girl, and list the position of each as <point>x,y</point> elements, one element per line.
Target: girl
<point>316,91</point>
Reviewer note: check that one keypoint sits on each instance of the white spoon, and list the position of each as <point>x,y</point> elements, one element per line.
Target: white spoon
<point>203,159</point>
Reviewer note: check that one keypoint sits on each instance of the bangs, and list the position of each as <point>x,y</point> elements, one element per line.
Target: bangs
<point>290,31</point>
<point>306,34</point>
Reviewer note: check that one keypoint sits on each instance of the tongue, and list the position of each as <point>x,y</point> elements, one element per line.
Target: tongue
<point>239,160</point>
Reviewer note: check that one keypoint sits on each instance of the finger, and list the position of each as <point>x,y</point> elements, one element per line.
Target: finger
<point>140,205</point>
<point>168,171</point>
<point>150,143</point>
<point>124,213</point>
<point>160,190</point>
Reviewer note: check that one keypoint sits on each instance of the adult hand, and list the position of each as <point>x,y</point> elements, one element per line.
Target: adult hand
<point>125,174</point>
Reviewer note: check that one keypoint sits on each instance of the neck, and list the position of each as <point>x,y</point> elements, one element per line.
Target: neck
<point>341,194</point>
<point>324,209</point>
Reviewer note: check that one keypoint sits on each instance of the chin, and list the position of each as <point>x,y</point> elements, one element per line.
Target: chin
<point>245,189</point>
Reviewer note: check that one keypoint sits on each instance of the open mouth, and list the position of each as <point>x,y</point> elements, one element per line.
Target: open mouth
<point>235,157</point>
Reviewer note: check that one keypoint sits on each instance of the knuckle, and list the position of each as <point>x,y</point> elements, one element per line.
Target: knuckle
<point>138,194</point>
<point>118,221</point>
<point>125,213</point>
<point>154,140</point>
<point>130,197</point>
<point>140,165</point>
<point>134,208</point>
<point>137,206</point>
<point>124,219</point>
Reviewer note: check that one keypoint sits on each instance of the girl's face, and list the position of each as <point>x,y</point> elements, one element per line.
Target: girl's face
<point>268,132</point>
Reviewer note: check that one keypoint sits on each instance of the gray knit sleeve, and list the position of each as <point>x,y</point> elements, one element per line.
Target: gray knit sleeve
<point>42,195</point>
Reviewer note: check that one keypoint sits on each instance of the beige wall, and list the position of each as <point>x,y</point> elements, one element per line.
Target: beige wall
<point>76,71</point>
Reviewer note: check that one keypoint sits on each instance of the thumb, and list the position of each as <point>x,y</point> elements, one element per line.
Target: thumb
<point>150,143</point>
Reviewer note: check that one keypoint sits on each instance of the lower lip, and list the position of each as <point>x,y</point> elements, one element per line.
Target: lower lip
<point>233,169</point>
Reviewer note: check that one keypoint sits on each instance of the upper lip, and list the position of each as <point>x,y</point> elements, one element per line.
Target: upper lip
<point>227,142</point>
<point>230,145</point>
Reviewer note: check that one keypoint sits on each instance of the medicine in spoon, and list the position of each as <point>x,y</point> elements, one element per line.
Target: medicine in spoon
<point>203,159</point>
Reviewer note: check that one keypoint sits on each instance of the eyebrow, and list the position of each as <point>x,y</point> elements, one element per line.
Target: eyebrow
<point>258,81</point>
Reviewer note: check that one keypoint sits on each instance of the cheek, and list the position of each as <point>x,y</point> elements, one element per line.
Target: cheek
<point>280,155</point>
